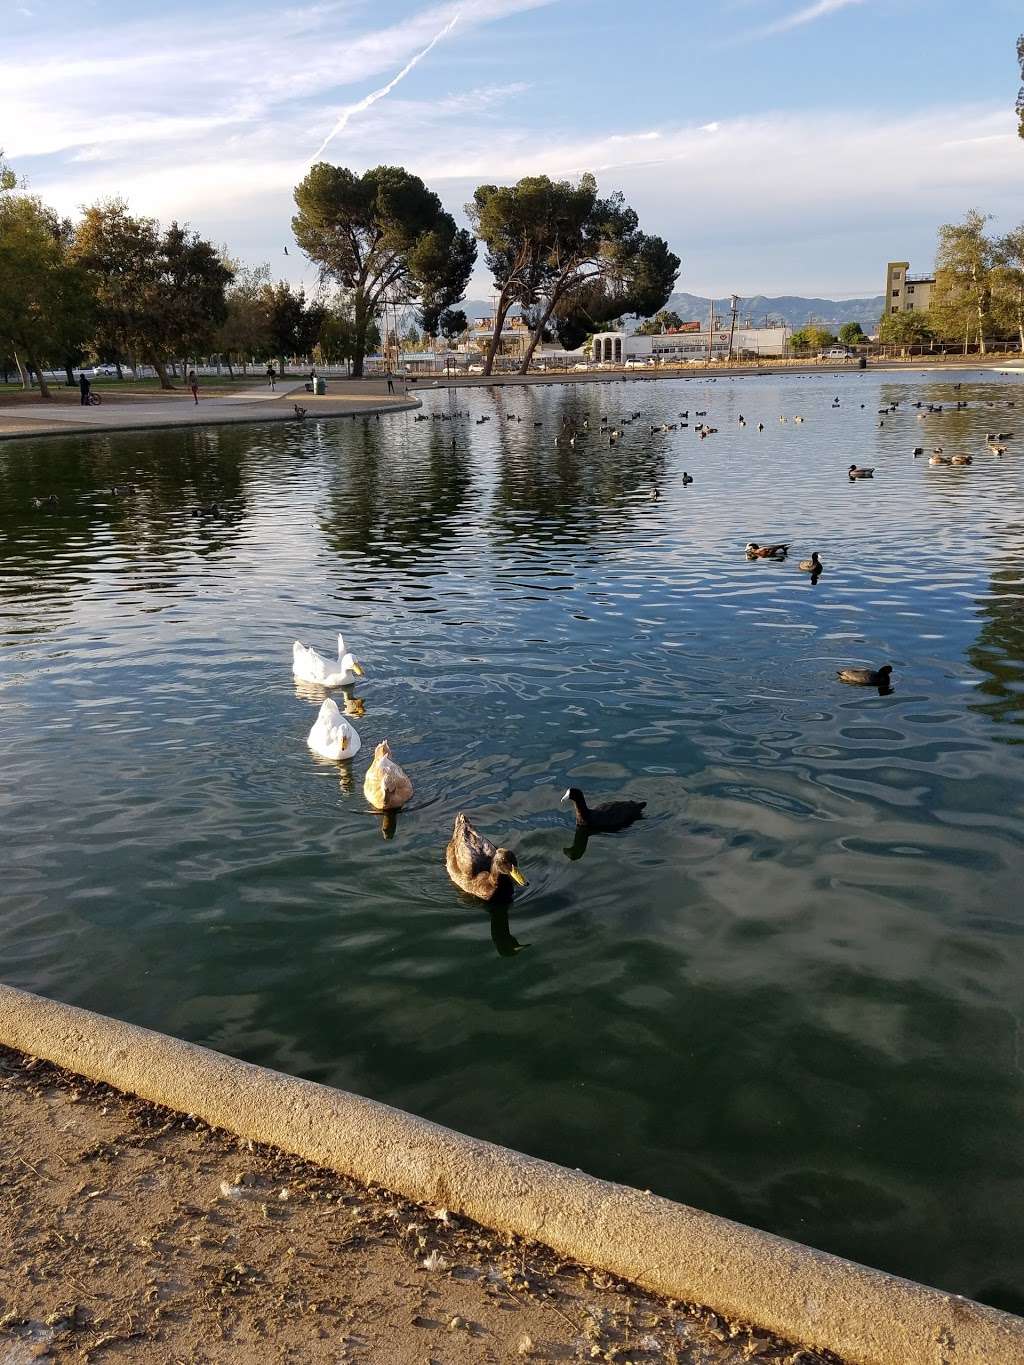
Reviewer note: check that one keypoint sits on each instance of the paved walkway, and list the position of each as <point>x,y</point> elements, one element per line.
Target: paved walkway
<point>131,412</point>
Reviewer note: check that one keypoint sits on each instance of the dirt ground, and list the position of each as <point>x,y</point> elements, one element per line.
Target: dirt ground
<point>130,1233</point>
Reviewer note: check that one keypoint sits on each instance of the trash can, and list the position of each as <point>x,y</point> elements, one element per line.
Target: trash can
<point>319,386</point>
<point>862,362</point>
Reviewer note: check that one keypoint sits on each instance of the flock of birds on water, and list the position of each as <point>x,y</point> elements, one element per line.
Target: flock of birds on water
<point>474,863</point>
<point>477,866</point>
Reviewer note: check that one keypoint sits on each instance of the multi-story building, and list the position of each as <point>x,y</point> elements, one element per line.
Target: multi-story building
<point>906,293</point>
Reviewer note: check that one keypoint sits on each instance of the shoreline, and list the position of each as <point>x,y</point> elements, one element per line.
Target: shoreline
<point>364,398</point>
<point>142,1229</point>
<point>864,1316</point>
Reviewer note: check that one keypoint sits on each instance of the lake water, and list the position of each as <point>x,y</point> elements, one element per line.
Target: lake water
<point>791,995</point>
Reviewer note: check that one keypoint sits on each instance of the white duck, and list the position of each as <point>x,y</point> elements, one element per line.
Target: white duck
<point>309,666</point>
<point>332,736</point>
<point>387,786</point>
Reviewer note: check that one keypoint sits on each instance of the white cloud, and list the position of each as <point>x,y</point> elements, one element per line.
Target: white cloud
<point>797,18</point>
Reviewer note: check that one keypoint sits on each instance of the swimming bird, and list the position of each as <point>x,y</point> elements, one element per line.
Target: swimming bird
<point>387,786</point>
<point>861,471</point>
<point>755,551</point>
<point>687,478</point>
<point>332,736</point>
<point>213,510</point>
<point>866,677</point>
<point>310,666</point>
<point>940,459</point>
<point>996,448</point>
<point>477,867</point>
<point>49,501</point>
<point>760,426</point>
<point>812,565</point>
<point>961,459</point>
<point>606,818</point>
<point>299,412</point>
<point>918,450</point>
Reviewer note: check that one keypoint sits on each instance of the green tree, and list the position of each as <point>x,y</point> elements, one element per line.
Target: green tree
<point>293,324</point>
<point>45,301</point>
<point>964,262</point>
<point>596,262</point>
<point>1008,281</point>
<point>812,339</point>
<point>905,329</point>
<point>452,323</point>
<point>660,323</point>
<point>160,294</point>
<point>852,334</point>
<point>382,236</point>
<point>512,222</point>
<point>245,331</point>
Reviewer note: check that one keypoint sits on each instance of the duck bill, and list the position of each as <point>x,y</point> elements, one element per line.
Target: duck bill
<point>517,877</point>
<point>357,669</point>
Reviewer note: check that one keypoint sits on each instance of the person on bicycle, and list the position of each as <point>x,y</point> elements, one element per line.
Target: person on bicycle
<point>83,389</point>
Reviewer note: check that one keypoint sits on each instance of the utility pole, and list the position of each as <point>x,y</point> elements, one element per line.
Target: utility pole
<point>711,327</point>
<point>734,303</point>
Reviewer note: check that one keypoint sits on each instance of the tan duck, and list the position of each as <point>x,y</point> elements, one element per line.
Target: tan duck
<point>812,565</point>
<point>477,867</point>
<point>861,471</point>
<point>387,786</point>
<point>961,459</point>
<point>940,459</point>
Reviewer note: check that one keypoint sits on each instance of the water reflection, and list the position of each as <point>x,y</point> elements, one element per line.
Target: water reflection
<point>393,502</point>
<point>576,850</point>
<point>505,942</point>
<point>998,652</point>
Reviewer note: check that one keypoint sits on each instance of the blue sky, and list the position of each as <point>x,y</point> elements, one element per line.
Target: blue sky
<point>780,146</point>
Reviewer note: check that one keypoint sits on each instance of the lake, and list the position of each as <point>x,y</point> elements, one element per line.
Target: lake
<point>791,995</point>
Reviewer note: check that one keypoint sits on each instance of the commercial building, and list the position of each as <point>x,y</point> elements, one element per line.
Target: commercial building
<point>678,347</point>
<point>906,293</point>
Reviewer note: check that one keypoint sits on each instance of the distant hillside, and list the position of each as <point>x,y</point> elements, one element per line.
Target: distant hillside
<point>790,308</point>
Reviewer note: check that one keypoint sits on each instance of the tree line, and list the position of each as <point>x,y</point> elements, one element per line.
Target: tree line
<point>567,257</point>
<point>127,290</point>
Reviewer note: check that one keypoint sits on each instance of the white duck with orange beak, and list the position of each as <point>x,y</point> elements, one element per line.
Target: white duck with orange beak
<point>332,736</point>
<point>311,667</point>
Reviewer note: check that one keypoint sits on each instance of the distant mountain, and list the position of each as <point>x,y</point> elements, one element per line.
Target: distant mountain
<point>789,308</point>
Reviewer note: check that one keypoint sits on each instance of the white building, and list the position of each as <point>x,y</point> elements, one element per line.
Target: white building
<point>618,348</point>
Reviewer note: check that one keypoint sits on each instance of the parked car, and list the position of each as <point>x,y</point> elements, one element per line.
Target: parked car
<point>836,353</point>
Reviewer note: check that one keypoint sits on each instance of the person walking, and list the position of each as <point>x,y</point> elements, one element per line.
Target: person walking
<point>83,389</point>
<point>193,384</point>
<point>391,383</point>
<point>271,377</point>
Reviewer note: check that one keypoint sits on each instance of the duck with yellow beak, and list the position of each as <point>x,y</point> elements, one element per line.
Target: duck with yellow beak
<point>479,868</point>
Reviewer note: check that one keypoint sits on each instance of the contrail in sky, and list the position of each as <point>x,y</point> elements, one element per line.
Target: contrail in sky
<point>376,95</point>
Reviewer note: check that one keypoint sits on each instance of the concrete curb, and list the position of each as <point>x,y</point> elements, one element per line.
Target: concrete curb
<point>807,1296</point>
<point>209,417</point>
